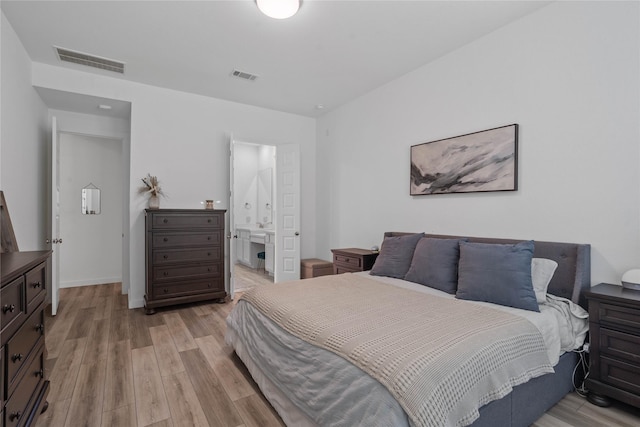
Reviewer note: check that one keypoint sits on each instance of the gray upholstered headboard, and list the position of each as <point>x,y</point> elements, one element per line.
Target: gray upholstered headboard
<point>573,275</point>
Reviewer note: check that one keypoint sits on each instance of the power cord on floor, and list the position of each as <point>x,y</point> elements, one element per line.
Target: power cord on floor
<point>584,364</point>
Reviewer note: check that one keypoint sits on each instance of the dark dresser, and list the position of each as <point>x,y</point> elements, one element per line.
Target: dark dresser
<point>184,256</point>
<point>351,260</point>
<point>24,387</point>
<point>614,328</point>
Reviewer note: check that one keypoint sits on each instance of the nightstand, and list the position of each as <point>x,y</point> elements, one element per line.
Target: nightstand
<point>614,327</point>
<point>350,260</point>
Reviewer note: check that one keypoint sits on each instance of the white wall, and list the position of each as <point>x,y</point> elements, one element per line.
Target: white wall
<point>183,139</point>
<point>23,144</point>
<point>91,252</point>
<point>568,74</point>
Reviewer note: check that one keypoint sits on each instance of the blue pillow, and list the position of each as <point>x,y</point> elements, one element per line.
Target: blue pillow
<point>435,264</point>
<point>500,274</point>
<point>395,255</point>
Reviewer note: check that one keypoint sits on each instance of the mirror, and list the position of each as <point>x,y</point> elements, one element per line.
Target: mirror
<point>90,200</point>
<point>265,199</point>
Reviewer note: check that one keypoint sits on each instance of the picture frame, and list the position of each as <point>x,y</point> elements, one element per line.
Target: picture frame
<point>481,161</point>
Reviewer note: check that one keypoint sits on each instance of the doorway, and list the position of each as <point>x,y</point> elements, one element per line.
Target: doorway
<point>264,210</point>
<point>92,250</point>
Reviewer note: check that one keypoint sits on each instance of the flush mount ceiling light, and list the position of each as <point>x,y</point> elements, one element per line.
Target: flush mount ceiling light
<point>278,9</point>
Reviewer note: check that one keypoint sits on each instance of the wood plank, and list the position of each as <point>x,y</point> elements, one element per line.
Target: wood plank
<point>86,403</point>
<point>120,326</point>
<point>196,325</point>
<point>138,329</point>
<point>81,324</point>
<point>214,400</point>
<point>179,332</point>
<point>104,307</point>
<point>119,389</point>
<point>151,402</point>
<point>56,334</point>
<point>55,415</point>
<point>256,412</point>
<point>185,406</point>
<point>63,378</point>
<point>124,416</point>
<point>97,342</point>
<point>169,360</point>
<point>234,382</point>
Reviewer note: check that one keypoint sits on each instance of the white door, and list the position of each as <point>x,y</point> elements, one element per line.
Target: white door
<point>287,221</point>
<point>54,237</point>
<point>232,235</point>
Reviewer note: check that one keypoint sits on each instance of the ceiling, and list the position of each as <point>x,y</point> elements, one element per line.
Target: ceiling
<point>329,53</point>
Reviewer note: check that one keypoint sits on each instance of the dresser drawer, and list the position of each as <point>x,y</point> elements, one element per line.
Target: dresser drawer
<point>187,271</point>
<point>170,220</point>
<point>347,261</point>
<point>625,376</point>
<point>17,407</point>
<point>176,240</point>
<point>36,283</point>
<point>12,305</point>
<point>167,256</point>
<point>191,287</point>
<point>21,344</point>
<point>620,345</point>
<point>617,315</point>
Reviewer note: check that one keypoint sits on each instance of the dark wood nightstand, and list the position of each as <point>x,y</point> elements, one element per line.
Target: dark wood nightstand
<point>350,260</point>
<point>614,327</point>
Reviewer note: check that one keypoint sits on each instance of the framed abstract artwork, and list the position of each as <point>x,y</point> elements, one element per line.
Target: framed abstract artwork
<point>476,162</point>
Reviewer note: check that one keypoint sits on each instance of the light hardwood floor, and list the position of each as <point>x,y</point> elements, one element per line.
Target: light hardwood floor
<point>110,367</point>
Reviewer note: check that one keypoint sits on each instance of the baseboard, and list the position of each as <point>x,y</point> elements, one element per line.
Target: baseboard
<point>89,282</point>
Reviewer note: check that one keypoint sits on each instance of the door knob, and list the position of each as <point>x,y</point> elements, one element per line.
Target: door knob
<point>297,233</point>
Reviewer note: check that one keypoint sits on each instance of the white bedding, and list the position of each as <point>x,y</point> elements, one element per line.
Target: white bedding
<point>328,390</point>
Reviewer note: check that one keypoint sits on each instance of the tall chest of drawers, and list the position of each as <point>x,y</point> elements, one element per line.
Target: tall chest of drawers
<point>24,386</point>
<point>614,328</point>
<point>184,256</point>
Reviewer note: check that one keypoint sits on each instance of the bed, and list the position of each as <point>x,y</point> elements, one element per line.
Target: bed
<point>368,349</point>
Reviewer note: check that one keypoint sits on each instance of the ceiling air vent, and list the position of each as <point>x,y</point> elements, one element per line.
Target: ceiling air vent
<point>244,75</point>
<point>89,60</point>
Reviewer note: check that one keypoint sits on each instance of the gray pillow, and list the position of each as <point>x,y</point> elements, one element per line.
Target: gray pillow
<point>395,256</point>
<point>435,264</point>
<point>500,274</point>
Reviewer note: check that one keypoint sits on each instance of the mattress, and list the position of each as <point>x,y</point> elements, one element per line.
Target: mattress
<point>326,389</point>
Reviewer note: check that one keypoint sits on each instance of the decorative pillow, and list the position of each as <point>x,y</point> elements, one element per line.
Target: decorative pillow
<point>395,256</point>
<point>435,264</point>
<point>497,273</point>
<point>542,270</point>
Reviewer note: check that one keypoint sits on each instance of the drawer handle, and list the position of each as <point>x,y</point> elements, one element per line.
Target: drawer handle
<point>165,220</point>
<point>40,373</point>
<point>15,416</point>
<point>166,239</point>
<point>166,291</point>
<point>16,357</point>
<point>208,237</point>
<point>40,327</point>
<point>166,257</point>
<point>209,220</point>
<point>208,253</point>
<point>166,273</point>
<point>37,284</point>
<point>8,307</point>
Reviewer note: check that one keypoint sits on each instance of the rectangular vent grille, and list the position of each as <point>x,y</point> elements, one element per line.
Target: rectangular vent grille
<point>90,60</point>
<point>244,75</point>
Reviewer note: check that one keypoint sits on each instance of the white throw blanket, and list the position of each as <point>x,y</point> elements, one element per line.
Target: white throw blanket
<point>440,358</point>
